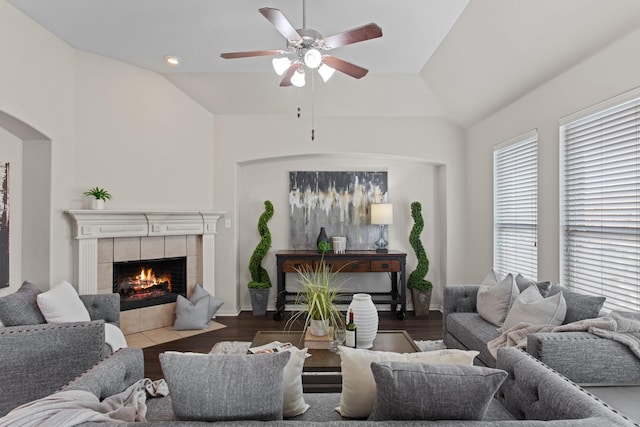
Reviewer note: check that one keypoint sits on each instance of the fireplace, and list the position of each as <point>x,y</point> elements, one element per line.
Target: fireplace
<point>149,282</point>
<point>104,237</point>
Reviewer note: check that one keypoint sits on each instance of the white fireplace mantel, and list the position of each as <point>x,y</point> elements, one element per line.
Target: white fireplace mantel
<point>91,225</point>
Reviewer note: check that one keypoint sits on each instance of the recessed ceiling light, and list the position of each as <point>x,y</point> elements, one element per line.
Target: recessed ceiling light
<point>172,60</point>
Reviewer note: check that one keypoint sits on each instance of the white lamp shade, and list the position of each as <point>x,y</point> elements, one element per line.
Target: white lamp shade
<point>298,78</point>
<point>381,213</point>
<point>312,58</point>
<point>325,72</point>
<point>281,64</point>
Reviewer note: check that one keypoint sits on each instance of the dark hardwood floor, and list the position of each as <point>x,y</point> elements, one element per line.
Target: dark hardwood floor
<point>245,326</point>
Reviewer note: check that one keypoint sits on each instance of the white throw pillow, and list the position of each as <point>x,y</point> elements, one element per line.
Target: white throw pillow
<point>293,402</point>
<point>114,337</point>
<point>61,304</point>
<point>359,386</point>
<point>494,301</point>
<point>491,278</point>
<point>532,307</point>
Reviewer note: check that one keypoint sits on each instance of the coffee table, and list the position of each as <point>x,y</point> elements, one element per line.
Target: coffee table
<point>321,372</point>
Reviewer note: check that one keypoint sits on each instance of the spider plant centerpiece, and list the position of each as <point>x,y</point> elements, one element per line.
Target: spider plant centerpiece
<point>318,291</point>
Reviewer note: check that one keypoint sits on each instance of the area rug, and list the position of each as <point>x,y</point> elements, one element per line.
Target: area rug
<point>241,347</point>
<point>167,334</point>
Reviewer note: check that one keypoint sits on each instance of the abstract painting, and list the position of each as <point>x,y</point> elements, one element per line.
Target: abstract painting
<point>337,201</point>
<point>4,225</point>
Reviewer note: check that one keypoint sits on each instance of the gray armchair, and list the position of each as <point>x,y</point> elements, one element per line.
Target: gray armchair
<point>36,360</point>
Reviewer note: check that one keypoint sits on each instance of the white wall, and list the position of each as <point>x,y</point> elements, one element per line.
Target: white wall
<point>255,153</point>
<point>110,124</point>
<point>610,72</point>
<point>37,88</point>
<point>141,138</point>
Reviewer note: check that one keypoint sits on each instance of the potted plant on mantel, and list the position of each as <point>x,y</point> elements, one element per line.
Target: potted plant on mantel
<point>420,287</point>
<point>100,196</point>
<point>260,280</point>
<point>317,294</point>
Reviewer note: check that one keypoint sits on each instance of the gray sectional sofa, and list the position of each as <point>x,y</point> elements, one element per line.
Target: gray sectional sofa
<point>532,395</point>
<point>37,359</point>
<point>580,356</point>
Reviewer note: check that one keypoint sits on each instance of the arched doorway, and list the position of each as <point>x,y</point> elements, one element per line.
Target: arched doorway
<point>30,203</point>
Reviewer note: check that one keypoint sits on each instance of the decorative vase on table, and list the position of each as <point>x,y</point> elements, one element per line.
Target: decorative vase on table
<point>365,316</point>
<point>322,237</point>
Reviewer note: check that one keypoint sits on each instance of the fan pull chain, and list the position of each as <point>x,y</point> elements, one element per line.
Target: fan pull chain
<point>313,130</point>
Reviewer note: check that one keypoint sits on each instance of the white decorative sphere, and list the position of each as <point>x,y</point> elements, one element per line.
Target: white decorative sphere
<point>365,316</point>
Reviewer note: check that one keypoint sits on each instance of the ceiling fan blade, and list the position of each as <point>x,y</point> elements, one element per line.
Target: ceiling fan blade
<point>281,23</point>
<point>345,67</point>
<point>248,54</point>
<point>355,35</point>
<point>286,77</point>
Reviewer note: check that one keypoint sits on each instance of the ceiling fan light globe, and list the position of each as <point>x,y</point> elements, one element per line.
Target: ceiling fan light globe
<point>298,79</point>
<point>281,64</point>
<point>325,72</point>
<point>313,58</point>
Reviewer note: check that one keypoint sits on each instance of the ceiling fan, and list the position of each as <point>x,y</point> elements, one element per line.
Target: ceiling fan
<point>306,47</point>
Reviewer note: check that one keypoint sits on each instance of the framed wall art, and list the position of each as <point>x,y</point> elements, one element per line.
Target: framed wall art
<point>337,201</point>
<point>4,224</point>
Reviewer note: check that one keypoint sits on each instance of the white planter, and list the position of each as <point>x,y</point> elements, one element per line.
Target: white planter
<point>97,204</point>
<point>365,316</point>
<point>319,328</point>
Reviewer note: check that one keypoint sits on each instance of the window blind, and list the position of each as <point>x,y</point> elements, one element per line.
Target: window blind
<point>516,207</point>
<point>601,205</point>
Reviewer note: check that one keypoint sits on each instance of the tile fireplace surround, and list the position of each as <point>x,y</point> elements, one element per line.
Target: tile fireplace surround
<point>107,236</point>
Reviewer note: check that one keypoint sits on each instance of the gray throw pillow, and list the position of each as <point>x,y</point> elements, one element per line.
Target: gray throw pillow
<point>523,283</point>
<point>494,301</point>
<point>579,306</point>
<point>214,303</point>
<point>190,315</point>
<point>416,391</point>
<point>21,308</point>
<point>205,387</point>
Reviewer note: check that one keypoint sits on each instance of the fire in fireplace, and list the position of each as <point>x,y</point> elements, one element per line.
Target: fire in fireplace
<point>149,282</point>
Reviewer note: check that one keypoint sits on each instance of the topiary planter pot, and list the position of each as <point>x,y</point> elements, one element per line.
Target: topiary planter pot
<point>421,301</point>
<point>259,300</point>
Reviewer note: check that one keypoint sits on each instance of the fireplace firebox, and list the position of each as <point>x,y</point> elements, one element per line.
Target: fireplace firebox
<point>149,282</point>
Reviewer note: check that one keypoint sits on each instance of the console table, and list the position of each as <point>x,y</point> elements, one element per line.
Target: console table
<point>392,263</point>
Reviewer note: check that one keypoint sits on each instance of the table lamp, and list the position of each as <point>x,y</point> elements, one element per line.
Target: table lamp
<point>381,215</point>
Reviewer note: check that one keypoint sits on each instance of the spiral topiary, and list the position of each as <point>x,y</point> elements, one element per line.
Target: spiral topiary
<point>417,279</point>
<point>259,276</point>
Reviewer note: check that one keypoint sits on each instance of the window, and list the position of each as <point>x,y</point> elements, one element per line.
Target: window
<point>600,194</point>
<point>515,198</point>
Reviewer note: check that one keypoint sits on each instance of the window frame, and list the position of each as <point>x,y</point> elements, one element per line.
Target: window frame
<point>579,242</point>
<point>515,212</point>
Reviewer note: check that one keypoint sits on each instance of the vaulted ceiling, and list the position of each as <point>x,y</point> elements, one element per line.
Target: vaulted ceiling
<point>458,59</point>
